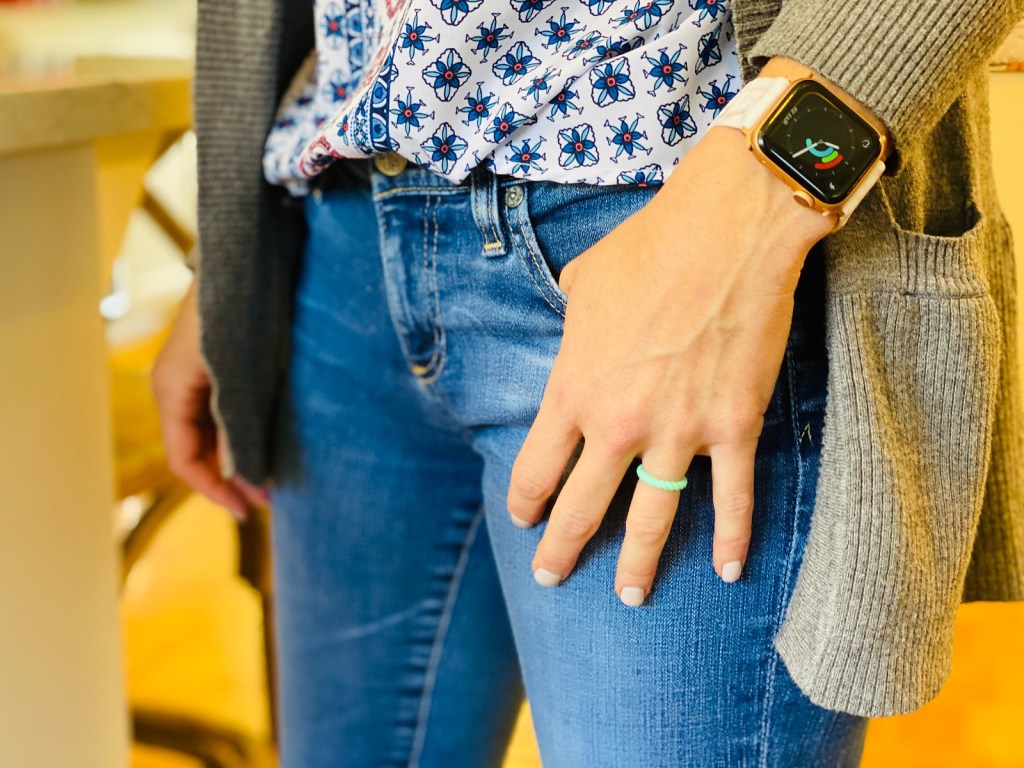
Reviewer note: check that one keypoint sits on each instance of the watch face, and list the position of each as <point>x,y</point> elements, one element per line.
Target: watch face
<point>818,141</point>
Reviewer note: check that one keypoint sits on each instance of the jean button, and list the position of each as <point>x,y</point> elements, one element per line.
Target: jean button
<point>514,195</point>
<point>390,163</point>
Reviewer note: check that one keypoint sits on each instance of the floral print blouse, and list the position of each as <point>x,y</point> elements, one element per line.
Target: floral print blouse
<point>594,91</point>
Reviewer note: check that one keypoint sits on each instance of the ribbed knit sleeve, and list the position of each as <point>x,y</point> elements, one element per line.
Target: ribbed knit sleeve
<point>906,61</point>
<point>246,53</point>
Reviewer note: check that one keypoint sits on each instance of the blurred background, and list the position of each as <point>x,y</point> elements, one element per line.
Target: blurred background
<point>155,653</point>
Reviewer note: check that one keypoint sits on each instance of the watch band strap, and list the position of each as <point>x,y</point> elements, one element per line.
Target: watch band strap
<point>862,188</point>
<point>752,101</point>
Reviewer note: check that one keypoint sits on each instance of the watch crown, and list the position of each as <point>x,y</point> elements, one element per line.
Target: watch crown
<point>803,198</point>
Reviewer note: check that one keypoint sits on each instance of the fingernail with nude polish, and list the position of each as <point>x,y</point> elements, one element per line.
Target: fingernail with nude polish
<point>547,578</point>
<point>519,521</point>
<point>632,596</point>
<point>731,571</point>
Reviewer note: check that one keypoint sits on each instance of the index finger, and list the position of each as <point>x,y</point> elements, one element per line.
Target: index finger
<point>540,464</point>
<point>191,457</point>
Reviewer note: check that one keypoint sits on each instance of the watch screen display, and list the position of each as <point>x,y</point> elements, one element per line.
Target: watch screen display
<point>819,142</point>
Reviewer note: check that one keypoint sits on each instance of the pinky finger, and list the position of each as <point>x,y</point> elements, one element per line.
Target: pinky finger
<point>732,483</point>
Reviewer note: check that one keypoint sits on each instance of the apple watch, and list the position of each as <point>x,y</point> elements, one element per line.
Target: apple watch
<point>824,147</point>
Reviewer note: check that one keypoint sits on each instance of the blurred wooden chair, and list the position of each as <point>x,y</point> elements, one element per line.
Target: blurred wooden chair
<point>144,476</point>
<point>142,473</point>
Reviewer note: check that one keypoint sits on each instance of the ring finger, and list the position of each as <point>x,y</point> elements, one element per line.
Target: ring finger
<point>648,523</point>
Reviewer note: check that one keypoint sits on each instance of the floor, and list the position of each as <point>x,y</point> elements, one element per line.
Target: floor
<point>192,639</point>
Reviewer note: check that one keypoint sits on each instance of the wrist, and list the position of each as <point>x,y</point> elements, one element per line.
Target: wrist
<point>766,197</point>
<point>721,173</point>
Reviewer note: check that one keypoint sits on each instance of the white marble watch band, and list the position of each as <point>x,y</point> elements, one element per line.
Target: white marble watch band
<point>756,98</point>
<point>751,102</point>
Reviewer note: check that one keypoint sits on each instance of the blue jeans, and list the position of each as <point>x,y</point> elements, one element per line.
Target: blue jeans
<point>427,318</point>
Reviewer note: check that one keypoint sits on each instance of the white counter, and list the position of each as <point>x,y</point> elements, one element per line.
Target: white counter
<point>62,702</point>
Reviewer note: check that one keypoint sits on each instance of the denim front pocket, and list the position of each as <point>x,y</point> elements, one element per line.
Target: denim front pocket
<point>555,222</point>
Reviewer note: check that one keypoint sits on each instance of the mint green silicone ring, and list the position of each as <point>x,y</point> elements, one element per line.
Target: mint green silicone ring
<point>665,485</point>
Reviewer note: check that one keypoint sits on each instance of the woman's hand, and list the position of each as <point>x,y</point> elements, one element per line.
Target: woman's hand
<point>181,386</point>
<point>674,337</point>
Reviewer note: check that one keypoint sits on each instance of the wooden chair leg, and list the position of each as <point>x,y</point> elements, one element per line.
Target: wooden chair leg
<point>166,500</point>
<point>211,745</point>
<point>255,566</point>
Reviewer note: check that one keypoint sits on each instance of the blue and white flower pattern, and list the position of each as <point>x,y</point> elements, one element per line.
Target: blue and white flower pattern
<point>591,91</point>
<point>611,82</point>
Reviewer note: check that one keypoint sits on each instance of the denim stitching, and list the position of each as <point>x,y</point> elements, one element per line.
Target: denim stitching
<point>481,205</point>
<point>439,357</point>
<point>430,680</point>
<point>391,293</point>
<point>491,191</point>
<point>475,203</point>
<point>413,188</point>
<point>428,369</point>
<point>439,402</point>
<point>788,574</point>
<point>533,278</point>
<point>530,238</point>
<point>560,308</point>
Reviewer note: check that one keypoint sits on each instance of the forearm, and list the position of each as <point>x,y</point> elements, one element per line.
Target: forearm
<point>721,171</point>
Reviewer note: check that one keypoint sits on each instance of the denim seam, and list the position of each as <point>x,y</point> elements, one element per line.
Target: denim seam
<point>533,246</point>
<point>414,188</point>
<point>476,204</point>
<point>530,272</point>
<point>397,323</point>
<point>428,372</point>
<point>484,192</point>
<point>553,299</point>
<point>788,575</point>
<point>392,293</point>
<point>439,357</point>
<point>430,680</point>
<point>491,202</point>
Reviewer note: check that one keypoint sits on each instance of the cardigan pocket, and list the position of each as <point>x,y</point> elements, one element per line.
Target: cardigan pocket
<point>945,255</point>
<point>914,342</point>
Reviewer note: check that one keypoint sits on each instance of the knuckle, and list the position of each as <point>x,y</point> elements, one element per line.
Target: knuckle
<point>735,506</point>
<point>623,429</point>
<point>732,541</point>
<point>575,522</point>
<point>562,397</point>
<point>648,529</point>
<point>528,482</point>
<point>743,422</point>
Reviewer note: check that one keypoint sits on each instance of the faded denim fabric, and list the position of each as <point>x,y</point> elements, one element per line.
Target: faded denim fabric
<point>427,319</point>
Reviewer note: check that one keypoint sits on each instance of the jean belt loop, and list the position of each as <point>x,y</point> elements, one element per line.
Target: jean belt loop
<point>484,192</point>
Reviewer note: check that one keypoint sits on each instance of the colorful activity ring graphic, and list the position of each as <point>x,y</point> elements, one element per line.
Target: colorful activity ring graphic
<point>828,154</point>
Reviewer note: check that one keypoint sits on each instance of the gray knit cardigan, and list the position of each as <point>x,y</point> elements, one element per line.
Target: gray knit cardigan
<point>920,494</point>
